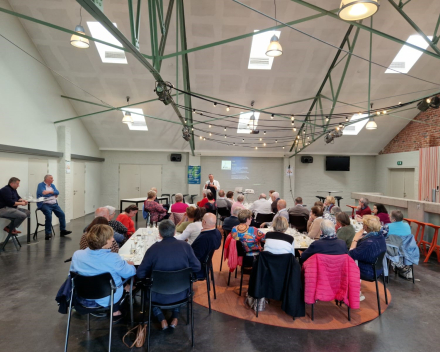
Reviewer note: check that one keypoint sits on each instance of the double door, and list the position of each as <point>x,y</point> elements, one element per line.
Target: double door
<point>136,180</point>
<point>401,183</point>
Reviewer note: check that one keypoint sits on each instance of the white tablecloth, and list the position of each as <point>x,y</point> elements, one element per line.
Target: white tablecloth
<point>300,241</point>
<point>134,249</point>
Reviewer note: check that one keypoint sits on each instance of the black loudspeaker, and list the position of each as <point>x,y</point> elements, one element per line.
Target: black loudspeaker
<point>176,157</point>
<point>307,159</point>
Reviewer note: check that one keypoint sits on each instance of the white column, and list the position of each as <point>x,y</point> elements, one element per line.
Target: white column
<point>64,179</point>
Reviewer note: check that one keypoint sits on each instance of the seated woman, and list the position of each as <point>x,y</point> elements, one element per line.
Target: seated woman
<point>98,259</point>
<point>314,222</point>
<point>329,203</point>
<point>179,206</point>
<point>249,236</point>
<point>210,205</point>
<point>187,219</point>
<point>328,243</point>
<point>332,215</point>
<point>230,197</point>
<point>193,230</point>
<point>201,203</point>
<point>117,226</point>
<point>126,218</point>
<point>100,220</point>
<point>381,212</point>
<point>345,230</point>
<point>156,210</point>
<point>365,248</point>
<point>277,241</point>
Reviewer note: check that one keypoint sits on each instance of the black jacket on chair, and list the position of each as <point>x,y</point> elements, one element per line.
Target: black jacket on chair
<point>278,277</point>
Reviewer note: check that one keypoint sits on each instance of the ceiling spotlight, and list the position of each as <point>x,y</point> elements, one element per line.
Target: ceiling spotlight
<point>271,116</point>
<point>354,10</point>
<point>209,126</point>
<point>215,104</point>
<point>76,40</point>
<point>435,103</point>
<point>371,125</point>
<point>227,108</point>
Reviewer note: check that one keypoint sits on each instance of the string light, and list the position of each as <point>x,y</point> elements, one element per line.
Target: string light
<point>225,136</point>
<point>227,108</point>
<point>264,144</point>
<point>384,112</point>
<point>276,141</point>
<point>210,126</point>
<point>346,119</point>
<point>264,132</point>
<point>210,134</point>
<point>225,129</point>
<point>272,116</point>
<point>256,148</point>
<point>215,104</point>
<point>292,117</point>
<point>261,139</point>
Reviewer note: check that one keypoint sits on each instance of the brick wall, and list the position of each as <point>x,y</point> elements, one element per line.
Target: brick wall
<point>417,135</point>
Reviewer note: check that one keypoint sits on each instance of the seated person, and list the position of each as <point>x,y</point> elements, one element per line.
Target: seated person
<point>230,197</point>
<point>201,203</point>
<point>209,240</point>
<point>49,192</point>
<point>249,236</point>
<point>329,203</point>
<point>277,241</point>
<point>261,206</point>
<point>299,209</point>
<point>238,203</point>
<point>125,219</point>
<point>314,222</point>
<point>397,226</point>
<point>363,208</point>
<point>345,230</point>
<point>319,204</point>
<point>193,230</point>
<point>222,201</point>
<point>275,196</point>
<point>232,221</point>
<point>365,248</point>
<point>381,212</point>
<point>168,255</point>
<point>9,202</point>
<point>98,259</point>
<point>187,219</point>
<point>332,215</point>
<point>179,206</point>
<point>119,229</point>
<point>99,220</point>
<point>282,212</point>
<point>328,243</point>
<point>156,210</point>
<point>210,205</point>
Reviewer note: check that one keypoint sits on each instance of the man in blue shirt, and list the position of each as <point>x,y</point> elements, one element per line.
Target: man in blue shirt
<point>50,205</point>
<point>397,226</point>
<point>9,200</point>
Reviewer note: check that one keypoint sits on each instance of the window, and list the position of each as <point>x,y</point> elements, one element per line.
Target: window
<point>139,123</point>
<point>245,123</point>
<point>107,53</point>
<point>258,59</point>
<point>355,128</point>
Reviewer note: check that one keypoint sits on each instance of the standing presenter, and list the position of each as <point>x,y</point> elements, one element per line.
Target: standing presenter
<point>212,185</point>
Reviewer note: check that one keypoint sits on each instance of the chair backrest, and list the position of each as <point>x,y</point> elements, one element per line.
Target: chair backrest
<point>264,217</point>
<point>145,214</point>
<point>379,261</point>
<point>171,282</point>
<point>299,222</point>
<point>93,287</point>
<point>184,196</point>
<point>167,195</point>
<point>240,250</point>
<point>208,258</point>
<point>224,211</point>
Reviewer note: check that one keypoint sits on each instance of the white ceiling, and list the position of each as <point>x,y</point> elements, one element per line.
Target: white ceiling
<point>222,71</point>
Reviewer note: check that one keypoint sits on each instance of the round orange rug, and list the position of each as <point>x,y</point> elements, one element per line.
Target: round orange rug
<point>328,316</point>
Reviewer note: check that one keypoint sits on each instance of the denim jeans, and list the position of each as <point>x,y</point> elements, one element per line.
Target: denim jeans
<point>119,238</point>
<point>47,210</point>
<point>157,312</point>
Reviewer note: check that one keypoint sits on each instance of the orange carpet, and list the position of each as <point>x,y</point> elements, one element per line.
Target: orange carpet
<point>328,316</point>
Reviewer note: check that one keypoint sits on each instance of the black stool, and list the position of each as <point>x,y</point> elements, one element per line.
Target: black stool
<point>15,240</point>
<point>38,225</point>
<point>321,199</point>
<point>338,199</point>
<point>192,198</point>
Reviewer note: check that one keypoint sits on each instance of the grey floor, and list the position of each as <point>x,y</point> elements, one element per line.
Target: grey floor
<point>29,320</point>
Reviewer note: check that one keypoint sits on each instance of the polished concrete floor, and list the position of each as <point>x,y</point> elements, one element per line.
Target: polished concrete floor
<point>29,320</point>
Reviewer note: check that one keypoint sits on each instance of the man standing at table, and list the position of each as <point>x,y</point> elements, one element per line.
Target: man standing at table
<point>9,200</point>
<point>49,192</point>
<point>212,185</point>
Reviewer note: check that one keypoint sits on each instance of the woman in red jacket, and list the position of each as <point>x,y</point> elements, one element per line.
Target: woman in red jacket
<point>126,218</point>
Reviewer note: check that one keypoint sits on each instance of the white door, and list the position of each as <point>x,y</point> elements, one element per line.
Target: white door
<point>79,180</point>
<point>129,181</point>
<point>38,168</point>
<point>401,183</point>
<point>409,184</point>
<point>151,176</point>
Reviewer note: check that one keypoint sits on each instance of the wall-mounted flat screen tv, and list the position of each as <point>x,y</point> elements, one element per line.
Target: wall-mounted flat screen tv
<point>337,163</point>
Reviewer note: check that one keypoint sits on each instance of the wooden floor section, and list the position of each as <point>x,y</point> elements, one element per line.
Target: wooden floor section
<point>328,316</point>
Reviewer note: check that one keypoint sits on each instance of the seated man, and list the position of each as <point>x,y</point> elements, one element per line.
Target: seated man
<point>232,221</point>
<point>238,203</point>
<point>169,254</point>
<point>9,200</point>
<point>47,190</point>
<point>299,209</point>
<point>261,206</point>
<point>275,196</point>
<point>209,239</point>
<point>222,201</point>
<point>282,211</point>
<point>397,226</point>
<point>363,208</point>
<point>119,229</point>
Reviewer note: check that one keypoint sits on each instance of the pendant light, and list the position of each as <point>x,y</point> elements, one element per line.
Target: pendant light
<point>76,40</point>
<point>127,115</point>
<point>274,49</point>
<point>371,124</point>
<point>354,10</point>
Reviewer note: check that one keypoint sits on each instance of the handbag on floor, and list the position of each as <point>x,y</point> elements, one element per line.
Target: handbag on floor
<point>141,333</point>
<point>254,302</point>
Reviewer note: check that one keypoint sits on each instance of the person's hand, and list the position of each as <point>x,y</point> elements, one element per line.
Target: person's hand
<point>45,192</point>
<point>312,216</point>
<point>130,262</point>
<point>25,202</point>
<point>262,225</point>
<point>358,234</point>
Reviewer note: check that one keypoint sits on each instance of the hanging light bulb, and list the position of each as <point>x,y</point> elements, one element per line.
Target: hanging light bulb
<point>293,123</point>
<point>384,112</point>
<point>210,134</point>
<point>378,113</point>
<point>225,136</point>
<point>215,104</point>
<point>234,144</point>
<point>346,119</point>
<point>256,148</point>
<point>264,144</point>
<point>264,132</point>
<point>225,129</point>
<point>209,126</point>
<point>204,138</point>
<point>271,116</point>
<point>326,118</point>
<point>354,10</point>
<point>276,140</point>
<point>294,129</point>
<point>243,140</point>
<point>76,40</point>
<point>304,132</point>
<point>194,110</point>
<point>274,49</point>
<point>283,147</point>
<point>127,118</point>
<point>371,125</point>
<point>201,137</point>
<point>227,108</point>
<point>292,117</point>
<point>261,139</point>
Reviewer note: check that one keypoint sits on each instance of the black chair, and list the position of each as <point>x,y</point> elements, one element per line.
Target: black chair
<point>38,225</point>
<point>207,267</point>
<point>94,287</point>
<point>378,265</point>
<point>247,264</point>
<point>184,196</point>
<point>299,222</point>
<point>338,199</point>
<point>223,213</point>
<point>321,199</point>
<point>172,198</point>
<point>167,195</point>
<point>11,235</point>
<point>396,271</point>
<point>260,218</point>
<point>192,198</point>
<point>225,235</point>
<point>168,283</point>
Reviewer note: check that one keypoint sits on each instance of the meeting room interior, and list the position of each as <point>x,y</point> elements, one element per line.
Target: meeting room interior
<point>194,175</point>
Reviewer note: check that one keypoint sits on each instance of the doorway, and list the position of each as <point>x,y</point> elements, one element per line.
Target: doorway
<point>136,180</point>
<point>401,183</point>
<point>79,181</point>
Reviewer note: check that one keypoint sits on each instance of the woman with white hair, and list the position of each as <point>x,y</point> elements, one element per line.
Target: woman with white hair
<point>277,241</point>
<point>117,226</point>
<point>238,203</point>
<point>179,206</point>
<point>328,243</point>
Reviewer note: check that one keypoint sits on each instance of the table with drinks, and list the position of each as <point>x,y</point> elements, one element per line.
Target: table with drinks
<point>134,249</point>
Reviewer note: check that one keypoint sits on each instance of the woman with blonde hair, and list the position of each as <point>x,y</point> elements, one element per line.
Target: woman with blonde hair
<point>329,203</point>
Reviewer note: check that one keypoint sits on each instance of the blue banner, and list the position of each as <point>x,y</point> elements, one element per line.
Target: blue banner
<point>194,175</point>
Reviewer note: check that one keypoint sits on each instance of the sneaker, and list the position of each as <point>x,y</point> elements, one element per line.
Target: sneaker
<point>65,233</point>
<point>48,236</point>
<point>361,297</point>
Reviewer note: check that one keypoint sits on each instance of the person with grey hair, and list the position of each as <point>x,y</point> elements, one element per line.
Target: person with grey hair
<point>275,196</point>
<point>261,206</point>
<point>179,206</point>
<point>232,221</point>
<point>397,226</point>
<point>169,254</point>
<point>332,214</point>
<point>222,201</point>
<point>328,243</point>
<point>49,192</point>
<point>363,208</point>
<point>238,203</point>
<point>277,241</point>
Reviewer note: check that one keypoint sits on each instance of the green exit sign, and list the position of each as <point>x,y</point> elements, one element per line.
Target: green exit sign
<point>399,163</point>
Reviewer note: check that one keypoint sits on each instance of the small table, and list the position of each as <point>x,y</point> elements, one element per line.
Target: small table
<point>132,200</point>
<point>330,192</point>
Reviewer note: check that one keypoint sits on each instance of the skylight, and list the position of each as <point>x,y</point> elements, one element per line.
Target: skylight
<point>245,121</point>
<point>407,57</point>
<point>139,123</point>
<point>355,128</point>
<point>258,59</point>
<point>107,53</point>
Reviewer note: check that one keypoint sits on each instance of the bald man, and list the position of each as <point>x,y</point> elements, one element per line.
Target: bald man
<point>119,229</point>
<point>209,240</point>
<point>282,211</point>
